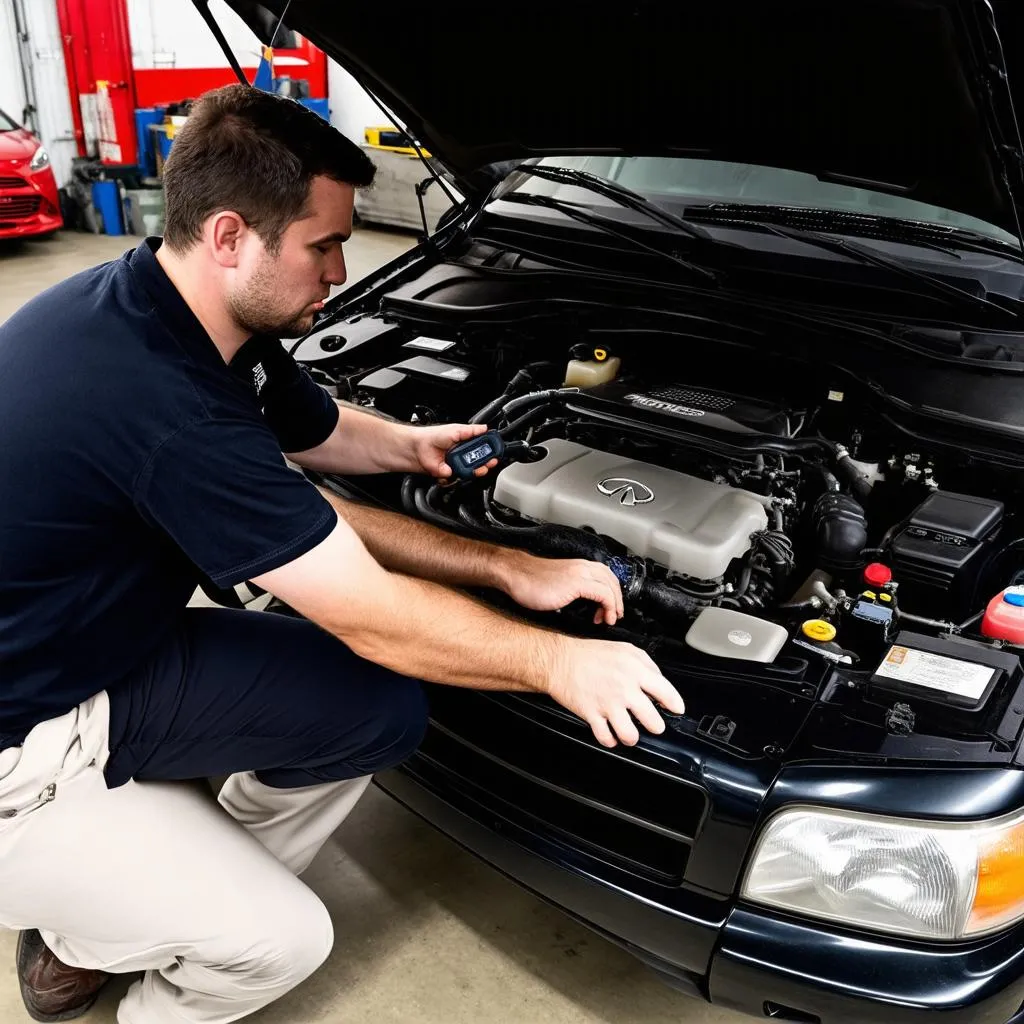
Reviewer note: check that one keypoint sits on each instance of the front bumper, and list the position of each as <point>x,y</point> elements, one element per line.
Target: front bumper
<point>752,961</point>
<point>32,208</point>
<point>41,224</point>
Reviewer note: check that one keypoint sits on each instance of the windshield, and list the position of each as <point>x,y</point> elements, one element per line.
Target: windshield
<point>678,181</point>
<point>6,124</point>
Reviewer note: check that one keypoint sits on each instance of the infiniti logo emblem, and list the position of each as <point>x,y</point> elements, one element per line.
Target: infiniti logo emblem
<point>633,492</point>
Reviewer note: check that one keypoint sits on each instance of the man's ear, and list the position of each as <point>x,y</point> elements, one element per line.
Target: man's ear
<point>225,233</point>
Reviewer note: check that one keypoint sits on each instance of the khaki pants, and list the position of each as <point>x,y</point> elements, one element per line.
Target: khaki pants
<point>156,877</point>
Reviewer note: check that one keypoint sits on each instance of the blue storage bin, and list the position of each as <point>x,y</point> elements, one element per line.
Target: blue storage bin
<point>144,117</point>
<point>106,197</point>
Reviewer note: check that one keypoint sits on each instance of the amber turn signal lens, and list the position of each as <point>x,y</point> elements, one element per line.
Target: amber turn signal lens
<point>1000,890</point>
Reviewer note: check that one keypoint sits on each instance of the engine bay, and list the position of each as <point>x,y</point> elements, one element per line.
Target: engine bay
<point>796,540</point>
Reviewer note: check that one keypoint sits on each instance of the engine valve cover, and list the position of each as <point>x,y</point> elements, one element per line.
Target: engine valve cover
<point>689,525</point>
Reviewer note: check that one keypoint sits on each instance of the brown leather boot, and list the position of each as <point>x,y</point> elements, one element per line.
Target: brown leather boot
<point>52,990</point>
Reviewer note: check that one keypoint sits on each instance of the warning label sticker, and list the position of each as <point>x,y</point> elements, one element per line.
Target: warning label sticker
<point>936,672</point>
<point>430,344</point>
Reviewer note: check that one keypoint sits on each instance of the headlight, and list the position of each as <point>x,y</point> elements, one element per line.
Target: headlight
<point>932,880</point>
<point>40,159</point>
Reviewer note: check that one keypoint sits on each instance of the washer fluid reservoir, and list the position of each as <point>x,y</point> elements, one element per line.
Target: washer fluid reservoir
<point>1004,616</point>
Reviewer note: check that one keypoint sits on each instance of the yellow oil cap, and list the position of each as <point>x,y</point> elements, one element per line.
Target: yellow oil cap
<point>818,629</point>
<point>600,354</point>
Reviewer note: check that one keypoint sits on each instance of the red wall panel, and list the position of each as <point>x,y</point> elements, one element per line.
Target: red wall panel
<point>97,48</point>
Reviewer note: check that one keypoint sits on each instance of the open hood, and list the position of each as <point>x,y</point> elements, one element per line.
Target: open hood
<point>913,97</point>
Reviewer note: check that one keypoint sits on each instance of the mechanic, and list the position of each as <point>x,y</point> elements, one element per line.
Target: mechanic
<point>147,405</point>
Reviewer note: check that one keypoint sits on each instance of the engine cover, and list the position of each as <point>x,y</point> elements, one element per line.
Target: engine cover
<point>689,525</point>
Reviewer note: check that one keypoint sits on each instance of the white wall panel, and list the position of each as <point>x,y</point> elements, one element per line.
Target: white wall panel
<point>12,92</point>
<point>351,109</point>
<point>172,34</point>
<point>46,55</point>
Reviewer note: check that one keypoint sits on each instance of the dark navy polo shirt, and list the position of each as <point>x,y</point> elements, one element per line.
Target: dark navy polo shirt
<point>135,462</point>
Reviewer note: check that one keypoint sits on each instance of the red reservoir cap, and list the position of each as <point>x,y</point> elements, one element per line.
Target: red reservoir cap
<point>876,574</point>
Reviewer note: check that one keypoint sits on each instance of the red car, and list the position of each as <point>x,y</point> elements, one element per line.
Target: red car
<point>29,204</point>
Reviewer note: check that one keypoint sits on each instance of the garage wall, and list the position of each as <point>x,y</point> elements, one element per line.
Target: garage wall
<point>351,109</point>
<point>53,102</point>
<point>12,92</point>
<point>172,34</point>
<point>164,33</point>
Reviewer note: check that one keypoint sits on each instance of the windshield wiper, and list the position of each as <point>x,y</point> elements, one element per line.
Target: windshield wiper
<point>945,238</point>
<point>845,247</point>
<point>612,190</point>
<point>584,216</point>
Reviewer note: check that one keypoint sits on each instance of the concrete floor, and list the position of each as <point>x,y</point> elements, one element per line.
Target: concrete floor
<point>424,932</point>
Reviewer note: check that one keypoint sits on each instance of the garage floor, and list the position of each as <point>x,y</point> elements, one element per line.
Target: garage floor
<point>424,932</point>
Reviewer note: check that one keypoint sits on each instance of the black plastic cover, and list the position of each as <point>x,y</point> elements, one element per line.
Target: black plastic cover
<point>939,554</point>
<point>946,526</point>
<point>683,402</point>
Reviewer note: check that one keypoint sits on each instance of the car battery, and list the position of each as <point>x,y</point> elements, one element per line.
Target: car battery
<point>951,674</point>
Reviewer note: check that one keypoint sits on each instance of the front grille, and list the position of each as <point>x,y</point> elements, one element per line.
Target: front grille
<point>602,805</point>
<point>15,207</point>
<point>12,182</point>
<point>698,399</point>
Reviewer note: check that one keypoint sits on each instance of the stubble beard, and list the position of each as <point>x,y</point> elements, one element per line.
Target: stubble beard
<point>254,311</point>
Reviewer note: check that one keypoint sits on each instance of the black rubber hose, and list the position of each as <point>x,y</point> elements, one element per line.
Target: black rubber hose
<point>409,493</point>
<point>466,516</point>
<point>860,486</point>
<point>427,512</point>
<point>744,581</point>
<point>829,479</point>
<point>538,412</point>
<point>972,621</point>
<point>660,600</point>
<point>485,414</point>
<point>416,500</point>
<point>565,542</point>
<point>506,404</point>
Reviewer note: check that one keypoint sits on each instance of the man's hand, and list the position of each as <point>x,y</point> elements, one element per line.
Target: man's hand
<point>364,443</point>
<point>547,584</point>
<point>608,685</point>
<point>428,446</point>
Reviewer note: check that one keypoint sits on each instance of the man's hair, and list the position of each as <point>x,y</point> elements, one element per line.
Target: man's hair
<point>255,153</point>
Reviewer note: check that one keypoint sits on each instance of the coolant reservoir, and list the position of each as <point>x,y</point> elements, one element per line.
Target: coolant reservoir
<point>1004,616</point>
<point>588,373</point>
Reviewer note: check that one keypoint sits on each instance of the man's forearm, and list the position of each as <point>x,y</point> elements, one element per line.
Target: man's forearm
<point>414,548</point>
<point>362,442</point>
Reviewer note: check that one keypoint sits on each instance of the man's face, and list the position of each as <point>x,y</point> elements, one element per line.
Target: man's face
<point>281,294</point>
